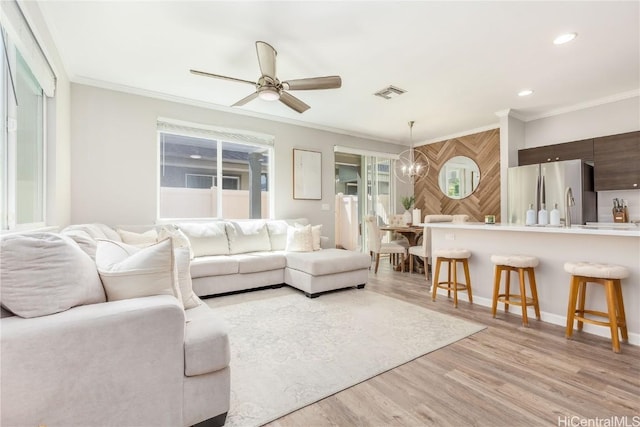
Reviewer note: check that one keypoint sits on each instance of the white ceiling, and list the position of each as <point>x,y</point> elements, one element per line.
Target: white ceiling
<point>460,62</point>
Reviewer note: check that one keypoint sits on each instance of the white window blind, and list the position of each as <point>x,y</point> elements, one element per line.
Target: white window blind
<point>361,152</point>
<point>219,133</point>
<point>18,30</point>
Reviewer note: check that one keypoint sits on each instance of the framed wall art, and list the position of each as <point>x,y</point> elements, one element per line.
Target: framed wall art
<point>307,174</point>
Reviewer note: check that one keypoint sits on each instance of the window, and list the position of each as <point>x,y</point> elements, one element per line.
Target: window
<point>22,143</point>
<point>194,160</point>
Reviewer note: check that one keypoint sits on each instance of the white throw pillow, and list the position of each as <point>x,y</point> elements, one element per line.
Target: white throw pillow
<point>316,230</point>
<point>249,236</point>
<point>299,239</point>
<point>207,238</point>
<point>182,255</point>
<point>87,243</point>
<point>277,234</point>
<point>96,231</point>
<point>147,238</point>
<point>183,267</point>
<point>131,272</point>
<point>180,240</point>
<point>46,273</point>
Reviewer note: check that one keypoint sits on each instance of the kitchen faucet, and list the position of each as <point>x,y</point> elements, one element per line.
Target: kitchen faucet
<point>568,202</point>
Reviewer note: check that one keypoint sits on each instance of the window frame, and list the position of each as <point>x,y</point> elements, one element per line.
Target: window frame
<point>219,166</point>
<point>9,113</point>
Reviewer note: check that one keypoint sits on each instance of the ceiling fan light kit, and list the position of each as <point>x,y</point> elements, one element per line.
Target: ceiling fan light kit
<point>268,93</point>
<point>269,88</point>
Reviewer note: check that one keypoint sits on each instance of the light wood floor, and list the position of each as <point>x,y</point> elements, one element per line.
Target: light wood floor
<point>506,375</point>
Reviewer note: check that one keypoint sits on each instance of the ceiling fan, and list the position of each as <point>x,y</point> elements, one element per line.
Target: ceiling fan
<point>270,88</point>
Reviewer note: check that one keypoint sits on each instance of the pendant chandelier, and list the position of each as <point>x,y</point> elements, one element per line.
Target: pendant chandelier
<point>412,166</point>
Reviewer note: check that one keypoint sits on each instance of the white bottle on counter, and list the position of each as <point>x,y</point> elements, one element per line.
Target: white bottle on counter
<point>554,215</point>
<point>543,216</point>
<point>531,216</point>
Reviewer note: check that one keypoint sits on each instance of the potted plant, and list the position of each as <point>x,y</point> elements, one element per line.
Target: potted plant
<point>407,203</point>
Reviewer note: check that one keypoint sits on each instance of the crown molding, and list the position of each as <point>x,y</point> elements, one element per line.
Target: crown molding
<point>212,106</point>
<point>459,134</point>
<point>583,105</point>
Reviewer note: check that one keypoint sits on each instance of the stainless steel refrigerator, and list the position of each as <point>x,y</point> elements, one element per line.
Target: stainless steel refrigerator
<point>547,183</point>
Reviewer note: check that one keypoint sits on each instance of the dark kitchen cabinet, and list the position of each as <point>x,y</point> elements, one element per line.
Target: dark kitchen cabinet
<point>617,162</point>
<point>557,152</point>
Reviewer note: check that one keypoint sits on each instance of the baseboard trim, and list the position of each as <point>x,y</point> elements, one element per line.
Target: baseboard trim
<point>554,319</point>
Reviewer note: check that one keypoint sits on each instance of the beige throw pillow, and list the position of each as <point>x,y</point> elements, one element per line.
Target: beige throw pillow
<point>46,273</point>
<point>316,230</point>
<point>131,272</point>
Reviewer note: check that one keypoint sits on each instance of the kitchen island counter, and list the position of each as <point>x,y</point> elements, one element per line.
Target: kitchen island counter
<point>628,230</point>
<point>553,246</point>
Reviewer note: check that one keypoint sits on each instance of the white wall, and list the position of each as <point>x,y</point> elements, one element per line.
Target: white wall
<point>600,120</point>
<point>511,140</point>
<point>114,156</point>
<point>58,189</point>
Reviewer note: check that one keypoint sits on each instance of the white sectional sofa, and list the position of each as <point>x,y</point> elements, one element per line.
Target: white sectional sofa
<point>232,256</point>
<point>70,358</point>
<point>80,347</point>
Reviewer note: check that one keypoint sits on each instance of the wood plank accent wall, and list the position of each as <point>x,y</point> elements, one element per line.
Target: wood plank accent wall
<point>484,149</point>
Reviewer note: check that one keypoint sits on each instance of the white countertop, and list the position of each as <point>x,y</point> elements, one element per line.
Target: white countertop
<point>630,231</point>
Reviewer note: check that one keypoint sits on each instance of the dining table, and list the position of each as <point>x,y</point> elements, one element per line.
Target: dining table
<point>413,233</point>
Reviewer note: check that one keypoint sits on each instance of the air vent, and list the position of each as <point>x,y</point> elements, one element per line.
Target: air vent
<point>389,92</point>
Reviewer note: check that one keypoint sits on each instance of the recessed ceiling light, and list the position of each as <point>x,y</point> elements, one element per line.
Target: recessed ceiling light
<point>525,92</point>
<point>195,156</point>
<point>565,38</point>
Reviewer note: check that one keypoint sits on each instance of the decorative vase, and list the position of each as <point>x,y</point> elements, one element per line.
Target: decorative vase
<point>407,217</point>
<point>417,216</point>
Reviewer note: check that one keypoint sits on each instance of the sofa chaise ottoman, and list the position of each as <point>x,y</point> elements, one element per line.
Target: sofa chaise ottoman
<point>326,270</point>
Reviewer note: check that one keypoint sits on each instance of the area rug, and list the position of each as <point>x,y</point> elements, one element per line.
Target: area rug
<point>288,351</point>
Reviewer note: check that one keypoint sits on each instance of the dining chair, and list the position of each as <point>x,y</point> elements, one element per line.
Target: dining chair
<point>393,237</point>
<point>377,247</point>
<point>424,250</point>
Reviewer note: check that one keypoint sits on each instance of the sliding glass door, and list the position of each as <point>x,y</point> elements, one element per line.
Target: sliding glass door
<point>363,187</point>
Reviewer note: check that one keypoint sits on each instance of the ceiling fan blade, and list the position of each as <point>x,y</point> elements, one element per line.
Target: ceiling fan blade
<point>266,59</point>
<point>293,102</point>
<point>217,76</point>
<point>329,82</point>
<point>246,99</point>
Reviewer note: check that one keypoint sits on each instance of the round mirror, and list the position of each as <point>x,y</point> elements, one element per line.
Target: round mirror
<point>459,177</point>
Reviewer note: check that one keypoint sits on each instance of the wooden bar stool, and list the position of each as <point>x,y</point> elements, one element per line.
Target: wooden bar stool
<point>521,264</point>
<point>452,257</point>
<point>609,276</point>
